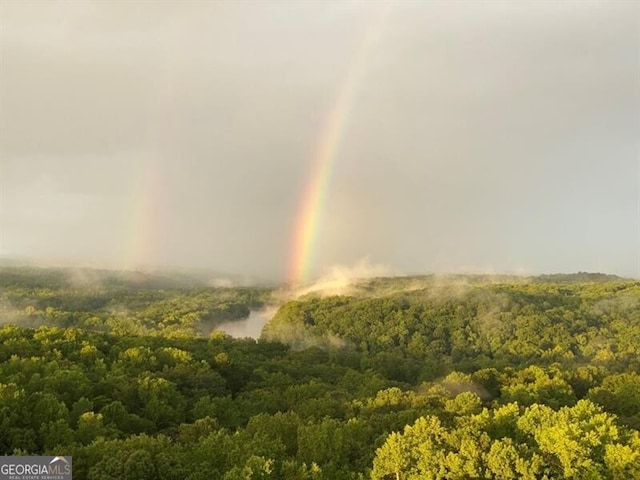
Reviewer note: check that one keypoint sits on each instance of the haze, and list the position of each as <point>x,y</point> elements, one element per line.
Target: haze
<point>480,136</point>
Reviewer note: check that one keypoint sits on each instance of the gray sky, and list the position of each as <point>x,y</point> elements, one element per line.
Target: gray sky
<point>481,136</point>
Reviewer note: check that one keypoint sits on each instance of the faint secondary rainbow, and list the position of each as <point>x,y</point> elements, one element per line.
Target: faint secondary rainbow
<point>314,197</point>
<point>144,233</point>
<point>143,229</point>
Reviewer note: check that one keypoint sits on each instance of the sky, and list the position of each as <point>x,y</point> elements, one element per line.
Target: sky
<point>467,136</point>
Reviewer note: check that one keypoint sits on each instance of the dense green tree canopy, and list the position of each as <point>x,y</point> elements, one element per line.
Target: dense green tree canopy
<point>407,378</point>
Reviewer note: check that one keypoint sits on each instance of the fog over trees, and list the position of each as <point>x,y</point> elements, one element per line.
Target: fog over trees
<point>409,377</point>
<point>321,239</point>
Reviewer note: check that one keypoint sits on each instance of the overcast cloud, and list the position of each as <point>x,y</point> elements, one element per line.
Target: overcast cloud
<point>482,136</point>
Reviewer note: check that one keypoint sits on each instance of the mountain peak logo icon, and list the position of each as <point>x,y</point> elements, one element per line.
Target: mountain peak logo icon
<point>59,459</point>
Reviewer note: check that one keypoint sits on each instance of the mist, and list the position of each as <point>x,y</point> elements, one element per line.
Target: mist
<point>480,137</point>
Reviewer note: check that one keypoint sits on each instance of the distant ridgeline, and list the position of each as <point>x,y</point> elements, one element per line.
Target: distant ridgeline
<point>443,377</point>
<point>124,303</point>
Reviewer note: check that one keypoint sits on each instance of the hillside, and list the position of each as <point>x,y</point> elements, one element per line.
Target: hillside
<point>411,377</point>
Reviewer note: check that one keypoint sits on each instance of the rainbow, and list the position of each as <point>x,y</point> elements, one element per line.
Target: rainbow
<point>143,229</point>
<point>314,197</point>
<point>141,246</point>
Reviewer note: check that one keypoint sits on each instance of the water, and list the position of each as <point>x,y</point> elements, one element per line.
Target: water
<point>249,327</point>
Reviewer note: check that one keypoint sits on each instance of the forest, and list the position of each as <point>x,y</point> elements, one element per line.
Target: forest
<point>424,377</point>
